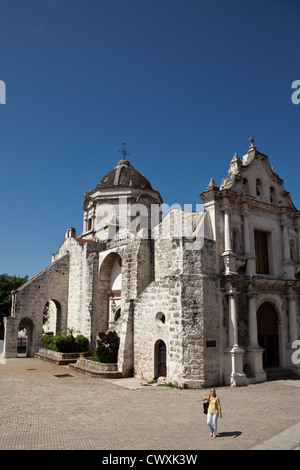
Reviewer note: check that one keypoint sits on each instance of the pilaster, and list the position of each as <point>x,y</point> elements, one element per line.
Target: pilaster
<point>233,373</point>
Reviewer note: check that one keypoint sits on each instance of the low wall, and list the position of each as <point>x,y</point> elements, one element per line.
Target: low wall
<point>59,357</point>
<point>97,369</point>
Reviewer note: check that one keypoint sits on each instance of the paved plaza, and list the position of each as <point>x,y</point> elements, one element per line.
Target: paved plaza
<point>44,408</point>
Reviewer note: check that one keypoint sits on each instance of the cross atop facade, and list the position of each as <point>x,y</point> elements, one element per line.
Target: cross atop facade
<point>252,142</point>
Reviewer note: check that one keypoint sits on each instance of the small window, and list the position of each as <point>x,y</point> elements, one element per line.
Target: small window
<point>261,252</point>
<point>160,319</point>
<point>89,224</point>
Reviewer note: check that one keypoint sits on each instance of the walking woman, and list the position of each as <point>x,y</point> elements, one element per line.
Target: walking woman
<point>214,411</point>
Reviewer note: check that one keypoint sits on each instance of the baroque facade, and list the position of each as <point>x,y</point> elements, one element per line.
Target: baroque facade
<point>201,298</point>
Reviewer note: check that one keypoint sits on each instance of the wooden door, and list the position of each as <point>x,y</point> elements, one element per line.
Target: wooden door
<point>267,329</point>
<point>162,359</point>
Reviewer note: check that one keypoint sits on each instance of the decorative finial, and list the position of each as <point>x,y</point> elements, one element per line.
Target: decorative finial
<point>124,151</point>
<point>252,143</point>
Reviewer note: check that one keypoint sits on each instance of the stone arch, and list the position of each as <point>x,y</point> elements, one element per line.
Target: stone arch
<point>27,325</point>
<point>110,279</point>
<point>52,317</point>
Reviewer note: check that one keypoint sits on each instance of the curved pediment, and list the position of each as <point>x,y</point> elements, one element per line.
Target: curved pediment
<point>254,176</point>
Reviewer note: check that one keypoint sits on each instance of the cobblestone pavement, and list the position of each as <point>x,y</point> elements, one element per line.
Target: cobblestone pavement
<point>41,411</point>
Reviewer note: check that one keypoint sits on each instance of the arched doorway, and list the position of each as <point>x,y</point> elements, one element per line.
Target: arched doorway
<point>161,359</point>
<point>267,331</point>
<point>25,338</point>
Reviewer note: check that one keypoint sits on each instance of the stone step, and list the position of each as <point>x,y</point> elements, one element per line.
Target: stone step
<point>277,373</point>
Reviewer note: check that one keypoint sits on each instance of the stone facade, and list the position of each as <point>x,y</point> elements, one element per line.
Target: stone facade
<point>200,298</point>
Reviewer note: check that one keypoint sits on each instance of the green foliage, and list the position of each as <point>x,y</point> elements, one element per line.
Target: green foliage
<point>65,344</point>
<point>108,347</point>
<point>8,284</point>
<point>82,342</point>
<point>47,340</point>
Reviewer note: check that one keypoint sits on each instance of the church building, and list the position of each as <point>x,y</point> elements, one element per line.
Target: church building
<point>201,298</point>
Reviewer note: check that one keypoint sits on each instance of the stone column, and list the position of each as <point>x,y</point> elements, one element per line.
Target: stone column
<point>228,256</point>
<point>233,326</point>
<point>227,232</point>
<point>286,245</point>
<point>247,249</point>
<point>293,331</point>
<point>253,343</point>
<point>250,267</point>
<point>288,266</point>
<point>10,337</point>
<point>253,351</point>
<point>233,373</point>
<point>297,227</point>
<point>293,327</point>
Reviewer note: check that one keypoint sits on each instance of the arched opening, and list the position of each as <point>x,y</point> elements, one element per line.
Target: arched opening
<point>160,319</point>
<point>25,338</point>
<point>52,317</point>
<point>267,331</point>
<point>259,189</point>
<point>160,359</point>
<point>110,286</point>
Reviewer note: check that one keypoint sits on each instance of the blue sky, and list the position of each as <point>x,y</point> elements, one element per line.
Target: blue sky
<point>184,82</point>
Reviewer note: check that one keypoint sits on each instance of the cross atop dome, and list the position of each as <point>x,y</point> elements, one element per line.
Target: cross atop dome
<point>124,151</point>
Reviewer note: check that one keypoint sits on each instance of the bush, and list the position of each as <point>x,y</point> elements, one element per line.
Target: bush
<point>108,347</point>
<point>48,341</point>
<point>65,344</point>
<point>82,343</point>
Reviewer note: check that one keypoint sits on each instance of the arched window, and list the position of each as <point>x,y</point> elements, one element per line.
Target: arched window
<point>259,188</point>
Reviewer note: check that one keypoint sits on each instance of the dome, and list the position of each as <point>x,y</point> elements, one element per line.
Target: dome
<point>124,175</point>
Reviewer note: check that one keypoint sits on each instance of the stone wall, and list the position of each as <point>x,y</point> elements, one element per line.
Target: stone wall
<point>29,302</point>
<point>201,316</point>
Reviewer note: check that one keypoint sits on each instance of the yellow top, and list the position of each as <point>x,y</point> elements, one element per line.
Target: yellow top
<point>213,406</point>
